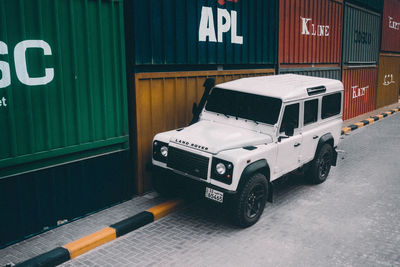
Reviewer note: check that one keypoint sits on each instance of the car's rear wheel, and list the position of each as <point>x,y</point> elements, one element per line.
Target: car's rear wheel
<point>251,201</point>
<point>321,165</point>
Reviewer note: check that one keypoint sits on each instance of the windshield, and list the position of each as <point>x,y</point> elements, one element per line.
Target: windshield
<point>243,105</point>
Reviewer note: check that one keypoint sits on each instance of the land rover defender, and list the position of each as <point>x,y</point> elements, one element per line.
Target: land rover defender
<point>249,132</point>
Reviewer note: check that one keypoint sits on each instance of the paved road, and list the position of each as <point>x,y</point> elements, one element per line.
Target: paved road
<point>353,219</point>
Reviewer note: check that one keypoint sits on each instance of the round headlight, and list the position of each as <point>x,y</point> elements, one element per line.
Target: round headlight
<point>220,168</point>
<point>164,151</point>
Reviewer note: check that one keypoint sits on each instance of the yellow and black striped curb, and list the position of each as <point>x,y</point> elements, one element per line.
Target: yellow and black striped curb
<point>78,247</point>
<point>369,120</point>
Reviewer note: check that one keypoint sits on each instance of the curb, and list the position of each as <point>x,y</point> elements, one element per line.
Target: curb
<point>370,120</point>
<point>78,247</point>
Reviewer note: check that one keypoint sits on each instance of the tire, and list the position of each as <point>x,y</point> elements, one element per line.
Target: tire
<point>164,184</point>
<point>250,201</point>
<point>321,165</point>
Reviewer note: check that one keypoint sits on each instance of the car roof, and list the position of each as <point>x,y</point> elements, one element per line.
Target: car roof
<point>287,87</point>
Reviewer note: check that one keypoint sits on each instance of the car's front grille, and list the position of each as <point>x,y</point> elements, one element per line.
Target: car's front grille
<point>187,162</point>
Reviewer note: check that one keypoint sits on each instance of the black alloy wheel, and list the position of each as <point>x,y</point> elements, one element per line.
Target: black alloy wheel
<point>325,165</point>
<point>321,165</point>
<point>250,201</point>
<point>255,200</point>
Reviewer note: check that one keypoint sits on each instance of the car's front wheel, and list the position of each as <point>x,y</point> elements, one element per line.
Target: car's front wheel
<point>164,184</point>
<point>251,201</point>
<point>321,165</point>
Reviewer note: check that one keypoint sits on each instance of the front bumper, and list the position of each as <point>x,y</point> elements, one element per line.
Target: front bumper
<point>188,187</point>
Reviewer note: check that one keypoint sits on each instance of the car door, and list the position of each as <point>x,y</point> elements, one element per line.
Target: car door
<point>288,155</point>
<point>311,130</point>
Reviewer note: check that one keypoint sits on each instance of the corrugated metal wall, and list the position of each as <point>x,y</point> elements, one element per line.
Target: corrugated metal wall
<point>332,73</point>
<point>310,31</point>
<point>33,202</point>
<point>388,80</point>
<point>169,32</point>
<point>164,102</point>
<point>361,31</point>
<point>67,89</point>
<point>359,91</point>
<point>391,26</point>
<point>375,5</point>
<point>63,113</point>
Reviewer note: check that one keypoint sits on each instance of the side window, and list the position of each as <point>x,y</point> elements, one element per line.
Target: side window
<point>310,111</point>
<point>331,105</point>
<point>290,117</point>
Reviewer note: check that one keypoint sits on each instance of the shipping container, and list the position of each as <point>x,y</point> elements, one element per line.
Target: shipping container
<point>359,90</point>
<point>310,31</point>
<point>331,72</point>
<point>201,32</point>
<point>361,33</point>
<point>374,5</point>
<point>391,26</point>
<point>63,80</point>
<point>388,80</point>
<point>63,112</point>
<point>37,201</point>
<point>164,101</point>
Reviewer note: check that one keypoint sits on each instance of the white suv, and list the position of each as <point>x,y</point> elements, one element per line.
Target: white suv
<point>249,132</point>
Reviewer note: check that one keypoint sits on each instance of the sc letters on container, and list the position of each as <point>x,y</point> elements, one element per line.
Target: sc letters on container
<point>21,66</point>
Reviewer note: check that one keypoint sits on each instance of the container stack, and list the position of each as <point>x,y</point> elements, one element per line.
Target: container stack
<point>85,85</point>
<point>310,37</point>
<point>63,113</point>
<point>389,57</point>
<point>361,34</point>
<point>175,45</point>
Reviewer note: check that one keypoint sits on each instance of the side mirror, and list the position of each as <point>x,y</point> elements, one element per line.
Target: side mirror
<point>194,108</point>
<point>289,130</point>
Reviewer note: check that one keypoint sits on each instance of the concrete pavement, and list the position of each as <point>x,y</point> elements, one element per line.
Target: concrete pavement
<point>350,220</point>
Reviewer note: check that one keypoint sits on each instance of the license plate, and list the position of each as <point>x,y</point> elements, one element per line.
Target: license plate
<point>214,195</point>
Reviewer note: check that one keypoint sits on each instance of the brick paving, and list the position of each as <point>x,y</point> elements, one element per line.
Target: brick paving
<point>350,220</point>
<point>74,230</point>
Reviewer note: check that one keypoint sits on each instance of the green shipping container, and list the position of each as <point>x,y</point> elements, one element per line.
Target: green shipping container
<point>63,89</point>
<point>201,32</point>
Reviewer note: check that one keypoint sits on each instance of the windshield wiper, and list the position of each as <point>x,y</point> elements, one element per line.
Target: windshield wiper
<point>256,122</point>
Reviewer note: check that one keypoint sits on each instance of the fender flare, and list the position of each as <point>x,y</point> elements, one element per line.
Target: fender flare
<point>327,138</point>
<point>257,166</point>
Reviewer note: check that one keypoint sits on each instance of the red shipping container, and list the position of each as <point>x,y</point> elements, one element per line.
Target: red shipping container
<point>359,90</point>
<point>391,26</point>
<point>310,31</point>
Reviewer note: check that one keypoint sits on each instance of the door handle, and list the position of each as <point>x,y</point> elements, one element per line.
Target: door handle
<point>315,137</point>
<point>296,144</point>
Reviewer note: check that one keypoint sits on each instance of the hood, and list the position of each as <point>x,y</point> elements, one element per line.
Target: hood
<point>215,137</point>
